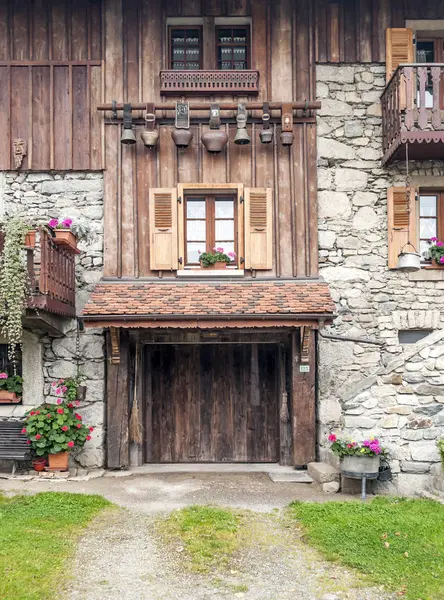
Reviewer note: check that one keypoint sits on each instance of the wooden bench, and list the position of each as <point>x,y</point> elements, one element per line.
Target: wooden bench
<point>13,444</point>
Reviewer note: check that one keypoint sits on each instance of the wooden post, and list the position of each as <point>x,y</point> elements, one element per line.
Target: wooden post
<point>136,429</point>
<point>284,409</point>
<point>303,399</point>
<point>117,392</point>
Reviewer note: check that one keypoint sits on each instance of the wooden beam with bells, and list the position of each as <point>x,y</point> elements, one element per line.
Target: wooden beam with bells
<point>114,359</point>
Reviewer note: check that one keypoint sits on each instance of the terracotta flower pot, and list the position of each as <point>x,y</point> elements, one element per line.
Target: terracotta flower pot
<point>30,240</point>
<point>58,462</point>
<point>66,238</point>
<point>437,265</point>
<point>218,265</point>
<point>9,397</point>
<point>39,464</point>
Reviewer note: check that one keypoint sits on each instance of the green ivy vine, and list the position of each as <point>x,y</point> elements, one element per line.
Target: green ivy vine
<point>13,281</point>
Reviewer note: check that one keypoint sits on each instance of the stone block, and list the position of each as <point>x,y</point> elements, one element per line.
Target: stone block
<point>408,466</point>
<point>365,219</point>
<point>359,423</point>
<point>364,199</point>
<point>335,74</point>
<point>64,186</point>
<point>426,451</point>
<point>399,410</point>
<point>332,149</point>
<point>409,484</point>
<point>335,108</point>
<point>333,205</point>
<point>322,472</point>
<point>390,422</point>
<point>350,180</point>
<point>332,487</point>
<point>426,389</point>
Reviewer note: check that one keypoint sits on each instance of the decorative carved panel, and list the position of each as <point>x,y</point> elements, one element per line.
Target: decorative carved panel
<point>209,82</point>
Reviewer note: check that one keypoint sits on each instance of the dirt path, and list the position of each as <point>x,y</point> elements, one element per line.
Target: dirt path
<point>120,558</point>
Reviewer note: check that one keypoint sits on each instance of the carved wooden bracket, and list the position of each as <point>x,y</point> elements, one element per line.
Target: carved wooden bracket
<point>19,151</point>
<point>305,344</point>
<point>114,359</point>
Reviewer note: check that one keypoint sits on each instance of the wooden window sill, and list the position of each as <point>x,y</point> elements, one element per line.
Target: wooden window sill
<point>210,273</point>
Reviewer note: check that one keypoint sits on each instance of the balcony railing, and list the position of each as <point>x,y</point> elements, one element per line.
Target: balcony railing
<point>412,113</point>
<point>51,271</point>
<point>209,82</point>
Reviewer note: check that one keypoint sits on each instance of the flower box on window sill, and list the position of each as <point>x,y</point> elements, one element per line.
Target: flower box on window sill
<point>206,273</point>
<point>9,397</point>
<point>66,238</point>
<point>216,266</point>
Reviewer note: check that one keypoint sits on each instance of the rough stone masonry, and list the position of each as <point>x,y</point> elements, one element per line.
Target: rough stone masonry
<point>77,195</point>
<point>393,391</point>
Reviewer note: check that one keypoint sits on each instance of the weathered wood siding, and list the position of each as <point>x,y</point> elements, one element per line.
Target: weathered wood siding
<point>353,31</point>
<point>51,83</point>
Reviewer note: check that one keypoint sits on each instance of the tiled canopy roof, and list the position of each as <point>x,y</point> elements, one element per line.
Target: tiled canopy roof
<point>208,300</point>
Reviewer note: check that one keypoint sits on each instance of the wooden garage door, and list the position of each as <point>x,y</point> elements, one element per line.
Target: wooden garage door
<point>211,403</point>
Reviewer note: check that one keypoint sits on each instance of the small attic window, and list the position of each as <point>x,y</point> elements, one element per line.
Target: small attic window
<point>411,336</point>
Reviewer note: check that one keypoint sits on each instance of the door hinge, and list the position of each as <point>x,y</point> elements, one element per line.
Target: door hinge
<point>242,260</point>
<point>179,199</point>
<point>180,260</point>
<point>241,199</point>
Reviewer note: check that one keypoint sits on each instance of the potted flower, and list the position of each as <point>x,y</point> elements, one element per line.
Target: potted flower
<point>30,239</point>
<point>54,430</point>
<point>39,463</point>
<point>71,388</point>
<point>10,388</point>
<point>216,259</point>
<point>62,234</point>
<point>358,459</point>
<point>436,252</point>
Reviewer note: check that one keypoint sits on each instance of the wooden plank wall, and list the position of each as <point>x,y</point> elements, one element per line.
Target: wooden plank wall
<point>353,31</point>
<point>283,51</point>
<point>51,83</point>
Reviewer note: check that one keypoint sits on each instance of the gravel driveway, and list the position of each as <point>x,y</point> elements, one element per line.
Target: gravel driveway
<point>120,558</point>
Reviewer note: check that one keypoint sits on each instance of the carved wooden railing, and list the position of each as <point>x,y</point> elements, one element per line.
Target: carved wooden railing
<point>52,273</point>
<point>209,82</point>
<point>412,106</point>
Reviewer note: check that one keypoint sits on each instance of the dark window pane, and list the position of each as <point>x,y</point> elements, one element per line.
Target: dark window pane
<point>411,336</point>
<point>425,52</point>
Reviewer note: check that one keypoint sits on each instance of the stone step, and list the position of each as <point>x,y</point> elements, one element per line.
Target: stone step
<point>295,477</point>
<point>322,472</point>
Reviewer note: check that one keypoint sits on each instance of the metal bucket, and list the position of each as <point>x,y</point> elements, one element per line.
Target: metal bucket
<point>409,261</point>
<point>355,466</point>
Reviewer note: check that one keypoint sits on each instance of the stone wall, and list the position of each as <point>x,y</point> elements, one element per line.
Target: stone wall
<point>41,196</point>
<point>372,301</point>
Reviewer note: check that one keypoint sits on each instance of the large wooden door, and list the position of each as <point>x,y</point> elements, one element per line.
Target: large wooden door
<point>211,403</point>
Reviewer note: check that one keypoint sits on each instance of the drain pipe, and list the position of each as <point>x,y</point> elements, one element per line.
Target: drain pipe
<point>340,338</point>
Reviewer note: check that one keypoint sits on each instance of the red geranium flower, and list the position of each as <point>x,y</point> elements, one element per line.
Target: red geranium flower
<point>28,442</point>
<point>88,437</point>
<point>24,430</point>
<point>38,436</point>
<point>332,437</point>
<point>32,412</point>
<point>65,428</point>
<point>91,428</point>
<point>77,416</point>
<point>49,415</point>
<point>60,411</point>
<point>79,425</point>
<point>70,405</point>
<point>37,412</point>
<point>70,444</point>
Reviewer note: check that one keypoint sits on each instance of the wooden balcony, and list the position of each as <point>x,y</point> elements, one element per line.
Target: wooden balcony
<point>51,271</point>
<point>244,83</point>
<point>412,113</point>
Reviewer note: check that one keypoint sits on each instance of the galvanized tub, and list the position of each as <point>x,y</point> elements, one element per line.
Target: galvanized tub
<point>356,467</point>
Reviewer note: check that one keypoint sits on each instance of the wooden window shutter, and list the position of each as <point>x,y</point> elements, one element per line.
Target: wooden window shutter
<point>258,228</point>
<point>400,221</point>
<point>163,228</point>
<point>399,49</point>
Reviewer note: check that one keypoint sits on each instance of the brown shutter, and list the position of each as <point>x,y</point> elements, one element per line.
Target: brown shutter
<point>400,221</point>
<point>258,228</point>
<point>163,228</point>
<point>399,49</point>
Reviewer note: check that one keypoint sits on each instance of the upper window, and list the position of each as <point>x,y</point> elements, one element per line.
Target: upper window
<point>186,48</point>
<point>232,48</point>
<point>431,218</point>
<point>210,222</point>
<point>231,52</point>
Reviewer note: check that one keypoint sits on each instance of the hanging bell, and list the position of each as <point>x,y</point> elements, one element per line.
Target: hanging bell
<point>287,136</point>
<point>241,138</point>
<point>150,135</point>
<point>266,135</point>
<point>128,137</point>
<point>214,140</point>
<point>182,135</point>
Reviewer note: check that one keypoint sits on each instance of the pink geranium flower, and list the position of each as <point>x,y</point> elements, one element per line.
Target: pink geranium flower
<point>433,239</point>
<point>53,223</point>
<point>220,249</point>
<point>439,244</point>
<point>441,260</point>
<point>66,223</point>
<point>332,437</point>
<point>59,400</point>
<point>3,376</point>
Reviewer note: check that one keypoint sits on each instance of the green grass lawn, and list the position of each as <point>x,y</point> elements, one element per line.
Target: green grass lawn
<point>37,537</point>
<point>208,535</point>
<point>395,542</point>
